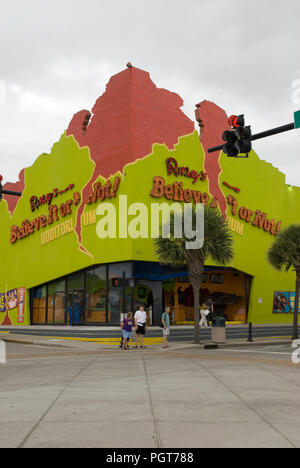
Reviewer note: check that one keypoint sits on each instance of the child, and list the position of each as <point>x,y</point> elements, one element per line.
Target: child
<point>127,329</point>
<point>123,316</point>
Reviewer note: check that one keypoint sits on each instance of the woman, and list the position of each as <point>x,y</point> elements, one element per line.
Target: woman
<point>126,328</point>
<point>204,312</point>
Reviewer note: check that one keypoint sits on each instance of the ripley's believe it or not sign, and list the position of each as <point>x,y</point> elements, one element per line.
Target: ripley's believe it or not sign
<point>151,157</point>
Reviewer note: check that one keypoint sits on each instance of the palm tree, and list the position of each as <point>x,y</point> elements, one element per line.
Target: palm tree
<point>217,246</point>
<point>284,255</point>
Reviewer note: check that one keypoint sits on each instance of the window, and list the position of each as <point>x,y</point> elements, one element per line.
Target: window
<point>39,296</point>
<point>96,295</point>
<point>76,281</point>
<point>116,296</point>
<point>56,302</point>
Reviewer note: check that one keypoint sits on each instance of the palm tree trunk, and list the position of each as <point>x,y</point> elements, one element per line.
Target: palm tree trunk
<point>196,315</point>
<point>195,269</point>
<point>295,325</point>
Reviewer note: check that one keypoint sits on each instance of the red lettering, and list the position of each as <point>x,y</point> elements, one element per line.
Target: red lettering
<point>49,198</point>
<point>243,212</point>
<point>33,203</point>
<point>13,234</point>
<point>172,166</point>
<point>259,219</point>
<point>272,227</point>
<point>178,192</point>
<point>36,223</point>
<point>31,227</point>
<point>204,198</point>
<point>158,187</point>
<point>278,227</point>
<point>249,215</point>
<point>116,187</point>
<point>68,205</point>
<point>196,196</point>
<point>43,221</point>
<point>76,198</point>
<point>214,203</point>
<point>108,188</point>
<point>187,194</point>
<point>62,210</point>
<point>234,204</point>
<point>53,214</point>
<point>169,192</point>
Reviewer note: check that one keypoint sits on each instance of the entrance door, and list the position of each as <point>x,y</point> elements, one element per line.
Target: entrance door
<point>58,308</point>
<point>75,307</point>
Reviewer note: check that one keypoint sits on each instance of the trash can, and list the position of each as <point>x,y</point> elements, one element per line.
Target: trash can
<point>218,330</point>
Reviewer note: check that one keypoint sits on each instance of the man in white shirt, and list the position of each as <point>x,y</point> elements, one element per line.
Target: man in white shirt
<point>140,319</point>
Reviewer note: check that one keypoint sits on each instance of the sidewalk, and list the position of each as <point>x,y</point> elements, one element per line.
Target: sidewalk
<point>96,344</point>
<point>148,398</point>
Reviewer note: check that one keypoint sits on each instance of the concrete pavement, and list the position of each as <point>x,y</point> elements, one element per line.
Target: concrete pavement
<point>178,333</point>
<point>177,398</point>
<point>91,344</point>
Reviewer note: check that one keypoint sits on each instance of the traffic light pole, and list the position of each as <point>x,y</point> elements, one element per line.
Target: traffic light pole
<point>9,192</point>
<point>259,136</point>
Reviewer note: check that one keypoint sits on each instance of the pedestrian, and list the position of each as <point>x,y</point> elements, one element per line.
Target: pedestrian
<point>204,312</point>
<point>123,316</point>
<point>210,306</point>
<point>166,323</point>
<point>127,329</point>
<point>140,319</point>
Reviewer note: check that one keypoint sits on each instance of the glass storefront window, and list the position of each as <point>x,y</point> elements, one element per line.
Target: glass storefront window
<point>115,290</point>
<point>56,302</point>
<point>96,295</point>
<point>39,296</point>
<point>76,281</point>
<point>92,296</point>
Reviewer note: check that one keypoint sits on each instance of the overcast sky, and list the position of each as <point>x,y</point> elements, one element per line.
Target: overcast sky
<point>58,55</point>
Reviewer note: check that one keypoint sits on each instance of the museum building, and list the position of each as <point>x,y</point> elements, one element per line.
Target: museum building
<point>77,246</point>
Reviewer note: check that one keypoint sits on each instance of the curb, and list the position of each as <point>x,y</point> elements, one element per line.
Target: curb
<point>248,345</point>
<point>37,343</point>
<point>205,345</point>
<point>58,345</point>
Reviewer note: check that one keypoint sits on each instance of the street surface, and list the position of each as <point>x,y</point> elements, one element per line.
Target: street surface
<point>178,333</point>
<point>181,397</point>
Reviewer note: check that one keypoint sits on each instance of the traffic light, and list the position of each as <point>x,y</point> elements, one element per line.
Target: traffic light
<point>230,146</point>
<point>1,188</point>
<point>236,121</point>
<point>119,282</point>
<point>116,282</point>
<point>239,140</point>
<point>244,135</point>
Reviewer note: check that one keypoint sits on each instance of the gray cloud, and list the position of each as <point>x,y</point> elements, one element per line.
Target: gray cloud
<point>56,58</point>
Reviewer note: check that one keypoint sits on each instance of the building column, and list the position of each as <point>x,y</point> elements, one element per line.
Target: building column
<point>157,291</point>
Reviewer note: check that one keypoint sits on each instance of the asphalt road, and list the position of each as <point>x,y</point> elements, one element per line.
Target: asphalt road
<point>16,351</point>
<point>177,334</point>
